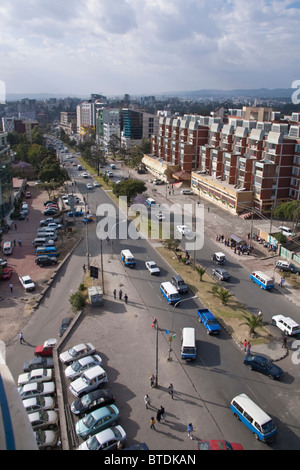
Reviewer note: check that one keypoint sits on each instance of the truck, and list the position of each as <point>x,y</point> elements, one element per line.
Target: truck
<point>209,321</point>
<point>45,349</point>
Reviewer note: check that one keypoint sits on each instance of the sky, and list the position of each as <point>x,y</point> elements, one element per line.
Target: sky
<point>148,47</point>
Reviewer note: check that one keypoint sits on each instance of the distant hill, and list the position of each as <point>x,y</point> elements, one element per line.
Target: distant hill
<point>251,93</point>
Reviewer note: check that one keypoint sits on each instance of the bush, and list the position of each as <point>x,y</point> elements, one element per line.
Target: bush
<point>77,301</point>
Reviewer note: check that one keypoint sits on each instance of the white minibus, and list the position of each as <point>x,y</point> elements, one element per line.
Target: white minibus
<point>188,344</point>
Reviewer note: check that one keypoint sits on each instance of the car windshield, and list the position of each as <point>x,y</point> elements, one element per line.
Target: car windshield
<point>73,352</point>
<point>212,321</point>
<point>89,421</point>
<point>93,444</point>
<point>268,427</point>
<point>76,366</point>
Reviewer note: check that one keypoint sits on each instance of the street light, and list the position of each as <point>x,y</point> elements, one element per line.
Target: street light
<point>155,325</point>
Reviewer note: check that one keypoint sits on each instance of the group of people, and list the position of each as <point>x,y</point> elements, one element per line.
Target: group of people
<point>120,295</point>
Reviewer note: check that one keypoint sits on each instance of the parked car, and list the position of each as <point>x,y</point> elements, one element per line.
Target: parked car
<point>263,365</point>
<point>37,375</point>
<point>221,274</point>
<point>110,174</point>
<point>87,220</point>
<point>289,267</point>
<point>44,260</point>
<point>27,283</point>
<point>49,202</point>
<point>75,214</point>
<point>28,195</point>
<point>85,175</point>
<point>286,324</point>
<point>90,380</point>
<point>54,226</point>
<point>89,186</point>
<point>45,349</point>
<point>109,439</point>
<point>92,401</point>
<point>38,363</point>
<point>36,389</point>
<point>34,404</point>
<point>6,273</point>
<point>74,370</point>
<point>187,191</point>
<point>218,445</point>
<point>43,419</point>
<point>46,439</point>
<point>96,184</point>
<point>3,262</point>
<point>152,267</point>
<point>97,420</point>
<point>50,212</point>
<point>179,283</point>
<point>157,181</point>
<point>77,352</point>
<point>45,222</point>
<point>64,325</point>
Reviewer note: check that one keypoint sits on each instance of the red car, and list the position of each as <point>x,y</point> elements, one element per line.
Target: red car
<point>6,273</point>
<point>218,445</point>
<point>28,195</point>
<point>45,349</point>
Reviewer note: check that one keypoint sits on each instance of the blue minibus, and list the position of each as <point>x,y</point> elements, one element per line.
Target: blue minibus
<point>263,280</point>
<point>253,417</point>
<point>46,250</point>
<point>169,292</point>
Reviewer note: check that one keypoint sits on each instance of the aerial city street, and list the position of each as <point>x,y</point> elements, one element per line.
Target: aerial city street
<point>150,240</point>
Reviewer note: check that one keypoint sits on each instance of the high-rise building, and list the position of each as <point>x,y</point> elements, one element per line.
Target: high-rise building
<point>6,179</point>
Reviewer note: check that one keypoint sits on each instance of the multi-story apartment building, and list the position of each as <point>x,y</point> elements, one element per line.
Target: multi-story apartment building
<point>68,122</point>
<point>242,163</point>
<point>6,180</point>
<point>136,126</point>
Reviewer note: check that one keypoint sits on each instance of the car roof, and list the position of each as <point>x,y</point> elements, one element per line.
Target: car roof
<point>97,370</point>
<point>85,360</point>
<point>104,410</point>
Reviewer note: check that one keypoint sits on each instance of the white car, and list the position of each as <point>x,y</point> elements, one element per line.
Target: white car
<point>89,186</point>
<point>187,191</point>
<point>38,404</point>
<point>90,380</point>
<point>78,367</point>
<point>77,352</point>
<point>105,440</point>
<point>46,440</point>
<point>152,267</point>
<point>43,419</point>
<point>37,375</point>
<point>27,283</point>
<point>96,184</point>
<point>36,390</point>
<point>85,175</point>
<point>54,226</point>
<point>286,324</point>
<point>183,229</point>
<point>160,216</point>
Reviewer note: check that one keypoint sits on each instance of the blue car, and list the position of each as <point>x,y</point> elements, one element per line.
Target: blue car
<point>209,321</point>
<point>97,420</point>
<point>87,220</point>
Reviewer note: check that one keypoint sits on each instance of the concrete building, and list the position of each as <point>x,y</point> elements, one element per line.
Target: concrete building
<point>6,180</point>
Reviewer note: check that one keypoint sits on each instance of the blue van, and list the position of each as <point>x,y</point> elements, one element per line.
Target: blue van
<point>169,292</point>
<point>46,250</point>
<point>253,417</point>
<point>263,280</point>
<point>128,258</point>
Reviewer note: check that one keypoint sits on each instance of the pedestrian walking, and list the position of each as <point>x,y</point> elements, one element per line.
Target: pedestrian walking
<point>190,429</point>
<point>115,293</point>
<point>147,401</point>
<point>248,347</point>
<point>284,340</point>
<point>14,242</point>
<point>84,267</point>
<point>21,338</point>
<point>120,294</point>
<point>152,423</point>
<point>152,380</point>
<point>245,345</point>
<point>11,287</point>
<point>162,413</point>
<point>171,390</point>
<point>126,298</point>
<point>158,415</point>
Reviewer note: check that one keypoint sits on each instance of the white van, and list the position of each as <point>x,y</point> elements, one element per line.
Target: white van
<point>150,202</point>
<point>188,344</point>
<point>24,208</point>
<point>286,231</point>
<point>7,248</point>
<point>128,258</point>
<point>169,292</point>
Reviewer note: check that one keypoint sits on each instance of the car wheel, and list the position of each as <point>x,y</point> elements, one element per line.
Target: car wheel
<point>250,367</point>
<point>256,436</point>
<point>271,377</point>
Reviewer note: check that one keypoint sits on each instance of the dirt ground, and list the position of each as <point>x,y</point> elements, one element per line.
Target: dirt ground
<point>17,306</point>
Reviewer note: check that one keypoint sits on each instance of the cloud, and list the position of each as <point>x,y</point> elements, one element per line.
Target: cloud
<point>141,46</point>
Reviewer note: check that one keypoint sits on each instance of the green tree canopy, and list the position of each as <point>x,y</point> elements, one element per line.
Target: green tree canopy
<point>130,188</point>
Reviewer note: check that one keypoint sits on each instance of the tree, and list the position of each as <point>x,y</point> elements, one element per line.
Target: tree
<point>288,211</point>
<point>200,271</point>
<point>77,301</point>
<point>222,293</point>
<point>172,244</point>
<point>254,322</point>
<point>52,171</point>
<point>130,188</point>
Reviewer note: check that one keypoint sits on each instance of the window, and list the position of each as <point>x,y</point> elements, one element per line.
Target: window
<point>248,417</point>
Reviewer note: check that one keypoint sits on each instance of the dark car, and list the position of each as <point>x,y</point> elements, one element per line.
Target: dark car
<point>21,216</point>
<point>38,363</point>
<point>45,260</point>
<point>263,365</point>
<point>64,325</point>
<point>221,274</point>
<point>49,202</point>
<point>93,400</point>
<point>50,211</point>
